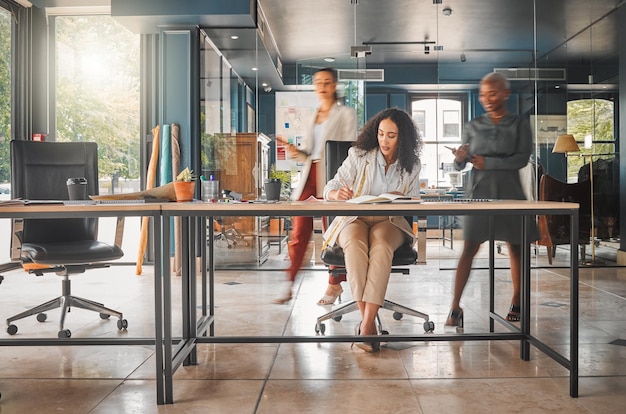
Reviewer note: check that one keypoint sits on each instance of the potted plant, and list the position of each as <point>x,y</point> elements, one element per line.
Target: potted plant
<point>284,177</point>
<point>185,185</point>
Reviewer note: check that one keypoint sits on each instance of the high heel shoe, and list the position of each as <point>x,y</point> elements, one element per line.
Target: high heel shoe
<point>329,299</point>
<point>514,313</point>
<point>365,346</point>
<point>455,318</point>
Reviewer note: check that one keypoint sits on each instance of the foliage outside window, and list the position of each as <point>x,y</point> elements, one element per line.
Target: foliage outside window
<point>590,120</point>
<point>97,91</point>
<point>5,95</point>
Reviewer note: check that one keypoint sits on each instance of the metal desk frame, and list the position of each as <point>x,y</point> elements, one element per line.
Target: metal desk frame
<point>182,351</point>
<point>152,210</point>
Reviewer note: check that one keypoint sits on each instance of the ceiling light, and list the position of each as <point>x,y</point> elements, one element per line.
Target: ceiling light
<point>329,59</point>
<point>447,11</point>
<point>255,69</point>
<point>234,37</point>
<point>463,57</point>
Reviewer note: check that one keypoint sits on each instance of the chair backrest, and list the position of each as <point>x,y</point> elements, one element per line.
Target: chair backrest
<point>551,189</point>
<point>336,152</point>
<point>39,171</point>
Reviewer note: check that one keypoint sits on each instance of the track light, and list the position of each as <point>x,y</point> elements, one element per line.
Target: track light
<point>463,58</point>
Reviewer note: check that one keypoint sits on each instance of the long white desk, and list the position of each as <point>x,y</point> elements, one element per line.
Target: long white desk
<point>195,330</point>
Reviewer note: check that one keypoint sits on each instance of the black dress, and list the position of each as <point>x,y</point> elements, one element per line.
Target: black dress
<point>506,147</point>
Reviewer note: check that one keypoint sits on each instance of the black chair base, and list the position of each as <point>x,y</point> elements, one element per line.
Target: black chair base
<point>398,312</point>
<point>66,302</point>
<point>405,255</point>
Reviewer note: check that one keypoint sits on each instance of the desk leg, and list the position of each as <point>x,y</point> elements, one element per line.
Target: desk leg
<point>421,240</point>
<point>158,308</point>
<point>188,285</point>
<point>492,274</point>
<point>525,290</point>
<point>211,277</point>
<point>203,264</point>
<point>167,313</point>
<point>573,342</point>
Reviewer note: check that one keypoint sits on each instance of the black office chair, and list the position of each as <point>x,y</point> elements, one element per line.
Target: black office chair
<point>405,255</point>
<point>39,171</point>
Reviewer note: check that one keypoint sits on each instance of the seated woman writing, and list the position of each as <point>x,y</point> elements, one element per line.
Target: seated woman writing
<point>384,159</point>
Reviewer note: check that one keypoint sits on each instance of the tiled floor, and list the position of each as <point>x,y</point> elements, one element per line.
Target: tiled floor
<point>423,377</point>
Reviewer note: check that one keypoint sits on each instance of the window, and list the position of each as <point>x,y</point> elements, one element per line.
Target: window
<point>97,94</point>
<point>451,124</point>
<point>5,125</point>
<point>5,102</point>
<point>439,121</point>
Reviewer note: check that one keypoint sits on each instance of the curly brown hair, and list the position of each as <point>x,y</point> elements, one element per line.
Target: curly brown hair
<point>410,140</point>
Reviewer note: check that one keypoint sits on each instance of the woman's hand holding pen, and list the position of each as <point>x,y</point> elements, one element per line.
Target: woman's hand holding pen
<point>344,193</point>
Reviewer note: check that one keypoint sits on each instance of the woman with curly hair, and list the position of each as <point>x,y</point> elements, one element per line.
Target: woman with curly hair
<point>384,159</point>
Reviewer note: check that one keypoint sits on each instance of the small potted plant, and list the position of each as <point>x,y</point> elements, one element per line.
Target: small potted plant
<point>185,185</point>
<point>277,183</point>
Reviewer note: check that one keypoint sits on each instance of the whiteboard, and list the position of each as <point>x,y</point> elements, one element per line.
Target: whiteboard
<point>294,111</point>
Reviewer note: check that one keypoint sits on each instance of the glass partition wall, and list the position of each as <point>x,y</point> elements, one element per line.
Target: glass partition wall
<point>583,103</point>
<point>564,84</point>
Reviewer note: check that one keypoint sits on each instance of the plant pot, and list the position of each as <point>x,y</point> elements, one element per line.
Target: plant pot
<point>184,190</point>
<point>272,189</point>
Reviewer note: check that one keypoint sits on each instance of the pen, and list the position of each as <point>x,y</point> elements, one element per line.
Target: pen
<point>450,148</point>
<point>343,183</point>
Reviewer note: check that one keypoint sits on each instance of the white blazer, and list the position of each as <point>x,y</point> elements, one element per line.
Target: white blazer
<point>340,126</point>
<point>357,171</point>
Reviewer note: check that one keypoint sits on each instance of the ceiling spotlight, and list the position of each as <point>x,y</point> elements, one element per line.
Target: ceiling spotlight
<point>447,11</point>
<point>329,59</point>
<point>234,37</point>
<point>463,58</point>
<point>426,49</point>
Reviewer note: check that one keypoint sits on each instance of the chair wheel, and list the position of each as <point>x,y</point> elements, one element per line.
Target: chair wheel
<point>104,316</point>
<point>337,318</point>
<point>429,326</point>
<point>320,329</point>
<point>41,317</point>
<point>397,316</point>
<point>11,329</point>
<point>122,324</point>
<point>64,333</point>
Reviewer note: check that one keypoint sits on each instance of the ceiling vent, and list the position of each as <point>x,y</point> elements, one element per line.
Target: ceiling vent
<point>368,75</point>
<point>538,74</point>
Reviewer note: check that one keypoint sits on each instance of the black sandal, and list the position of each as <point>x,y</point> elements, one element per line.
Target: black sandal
<point>455,318</point>
<point>514,313</point>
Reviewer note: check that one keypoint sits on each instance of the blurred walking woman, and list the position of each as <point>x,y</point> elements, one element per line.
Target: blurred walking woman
<point>331,122</point>
<point>498,144</point>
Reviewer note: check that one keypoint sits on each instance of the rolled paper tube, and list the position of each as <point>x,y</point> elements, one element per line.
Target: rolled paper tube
<point>165,161</point>
<point>150,182</point>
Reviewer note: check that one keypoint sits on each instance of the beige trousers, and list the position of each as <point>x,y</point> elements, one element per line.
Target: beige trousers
<point>368,244</point>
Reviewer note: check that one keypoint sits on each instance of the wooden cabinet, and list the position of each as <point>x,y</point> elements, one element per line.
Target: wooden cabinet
<point>243,169</point>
